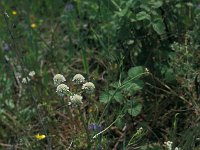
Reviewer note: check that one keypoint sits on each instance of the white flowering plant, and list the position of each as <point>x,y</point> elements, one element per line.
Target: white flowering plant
<point>74,96</point>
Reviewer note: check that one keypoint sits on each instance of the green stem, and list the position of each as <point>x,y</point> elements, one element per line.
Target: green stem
<point>86,129</point>
<point>95,136</point>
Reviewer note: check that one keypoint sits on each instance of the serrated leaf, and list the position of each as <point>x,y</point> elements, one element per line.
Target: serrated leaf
<point>159,27</point>
<point>132,88</point>
<point>118,97</point>
<point>104,97</point>
<point>134,108</point>
<point>115,84</point>
<point>135,71</point>
<point>142,16</point>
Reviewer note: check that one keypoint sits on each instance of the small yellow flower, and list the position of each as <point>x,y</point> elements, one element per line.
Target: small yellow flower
<point>33,25</point>
<point>40,136</point>
<point>14,12</point>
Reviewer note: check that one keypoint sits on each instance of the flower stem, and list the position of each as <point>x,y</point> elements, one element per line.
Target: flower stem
<point>86,129</point>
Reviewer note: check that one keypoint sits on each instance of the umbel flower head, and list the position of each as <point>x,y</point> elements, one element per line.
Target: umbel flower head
<point>62,89</point>
<point>76,100</point>
<point>88,87</point>
<point>58,79</point>
<point>78,78</point>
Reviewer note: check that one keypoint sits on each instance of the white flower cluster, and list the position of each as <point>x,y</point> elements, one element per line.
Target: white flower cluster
<point>76,100</point>
<point>27,79</point>
<point>62,89</point>
<point>78,79</point>
<point>88,87</point>
<point>168,145</point>
<point>58,79</point>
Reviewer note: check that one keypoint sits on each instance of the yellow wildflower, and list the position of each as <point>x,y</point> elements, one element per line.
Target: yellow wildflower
<point>40,136</point>
<point>14,12</point>
<point>33,25</point>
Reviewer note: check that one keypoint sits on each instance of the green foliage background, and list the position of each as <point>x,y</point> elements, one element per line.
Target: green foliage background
<point>142,55</point>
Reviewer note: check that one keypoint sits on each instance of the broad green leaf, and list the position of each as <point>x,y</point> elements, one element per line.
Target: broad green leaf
<point>105,97</point>
<point>135,71</point>
<point>123,12</point>
<point>142,16</point>
<point>115,84</point>
<point>134,108</point>
<point>159,27</point>
<point>145,7</point>
<point>157,4</point>
<point>169,75</point>
<point>131,88</point>
<point>118,97</point>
